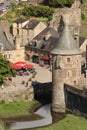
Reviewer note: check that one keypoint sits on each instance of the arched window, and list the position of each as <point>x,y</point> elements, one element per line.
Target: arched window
<point>74,82</point>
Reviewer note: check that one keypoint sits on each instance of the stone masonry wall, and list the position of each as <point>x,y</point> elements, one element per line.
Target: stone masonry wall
<point>25,94</point>
<point>73,15</point>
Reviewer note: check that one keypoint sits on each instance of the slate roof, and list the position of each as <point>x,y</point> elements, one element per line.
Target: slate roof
<point>20,20</point>
<point>47,30</point>
<point>50,43</point>
<point>31,24</point>
<point>66,44</point>
<point>81,40</point>
<point>6,40</point>
<point>45,44</point>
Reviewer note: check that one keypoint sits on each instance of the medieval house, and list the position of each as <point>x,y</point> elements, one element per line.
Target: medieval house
<point>38,49</point>
<point>32,29</point>
<point>9,49</point>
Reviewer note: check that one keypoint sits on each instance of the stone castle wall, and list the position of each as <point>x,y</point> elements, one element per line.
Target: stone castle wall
<point>25,94</point>
<point>72,15</point>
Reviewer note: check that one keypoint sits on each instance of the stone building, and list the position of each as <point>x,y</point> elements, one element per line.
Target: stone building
<point>10,49</point>
<point>17,27</point>
<point>32,29</point>
<point>82,45</point>
<point>66,67</point>
<point>38,49</point>
<point>27,29</point>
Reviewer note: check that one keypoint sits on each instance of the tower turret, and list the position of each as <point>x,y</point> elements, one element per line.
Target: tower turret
<point>66,44</point>
<point>66,67</point>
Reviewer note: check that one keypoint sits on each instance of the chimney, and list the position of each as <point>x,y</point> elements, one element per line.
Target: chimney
<point>18,42</point>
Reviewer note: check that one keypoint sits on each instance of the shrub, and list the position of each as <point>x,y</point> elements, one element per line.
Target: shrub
<point>2,102</point>
<point>38,11</point>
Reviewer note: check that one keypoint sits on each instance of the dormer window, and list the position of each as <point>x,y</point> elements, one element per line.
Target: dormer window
<point>34,44</point>
<point>30,44</point>
<point>43,46</point>
<point>1,46</point>
<point>44,38</point>
<point>68,59</point>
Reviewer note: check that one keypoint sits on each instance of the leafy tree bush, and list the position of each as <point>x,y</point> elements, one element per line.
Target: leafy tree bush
<point>60,3</point>
<point>13,6</point>
<point>38,11</point>
<point>83,16</point>
<point>18,13</point>
<point>84,1</point>
<point>9,15</point>
<point>6,69</point>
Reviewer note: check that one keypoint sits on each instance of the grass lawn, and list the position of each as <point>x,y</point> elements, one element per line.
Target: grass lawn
<point>16,109</point>
<point>70,122</point>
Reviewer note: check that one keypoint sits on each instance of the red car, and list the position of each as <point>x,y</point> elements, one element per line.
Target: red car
<point>1,12</point>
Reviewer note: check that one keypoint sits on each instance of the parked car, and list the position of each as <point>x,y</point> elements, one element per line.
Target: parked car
<point>4,9</point>
<point>1,12</point>
<point>8,6</point>
<point>1,4</point>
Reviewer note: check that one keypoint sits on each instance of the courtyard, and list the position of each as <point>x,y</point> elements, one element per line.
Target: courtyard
<point>18,83</point>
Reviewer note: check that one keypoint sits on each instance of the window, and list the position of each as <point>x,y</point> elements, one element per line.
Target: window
<point>10,56</point>
<point>74,83</point>
<point>5,56</point>
<point>17,25</point>
<point>68,59</point>
<point>30,44</point>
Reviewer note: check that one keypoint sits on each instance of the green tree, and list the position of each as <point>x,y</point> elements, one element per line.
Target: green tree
<point>60,3</point>
<point>6,69</point>
<point>13,6</point>
<point>38,11</point>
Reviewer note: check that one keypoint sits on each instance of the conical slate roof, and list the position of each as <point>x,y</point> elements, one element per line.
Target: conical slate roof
<point>66,44</point>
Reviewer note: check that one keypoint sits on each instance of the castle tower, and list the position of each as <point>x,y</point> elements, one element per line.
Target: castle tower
<point>66,67</point>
